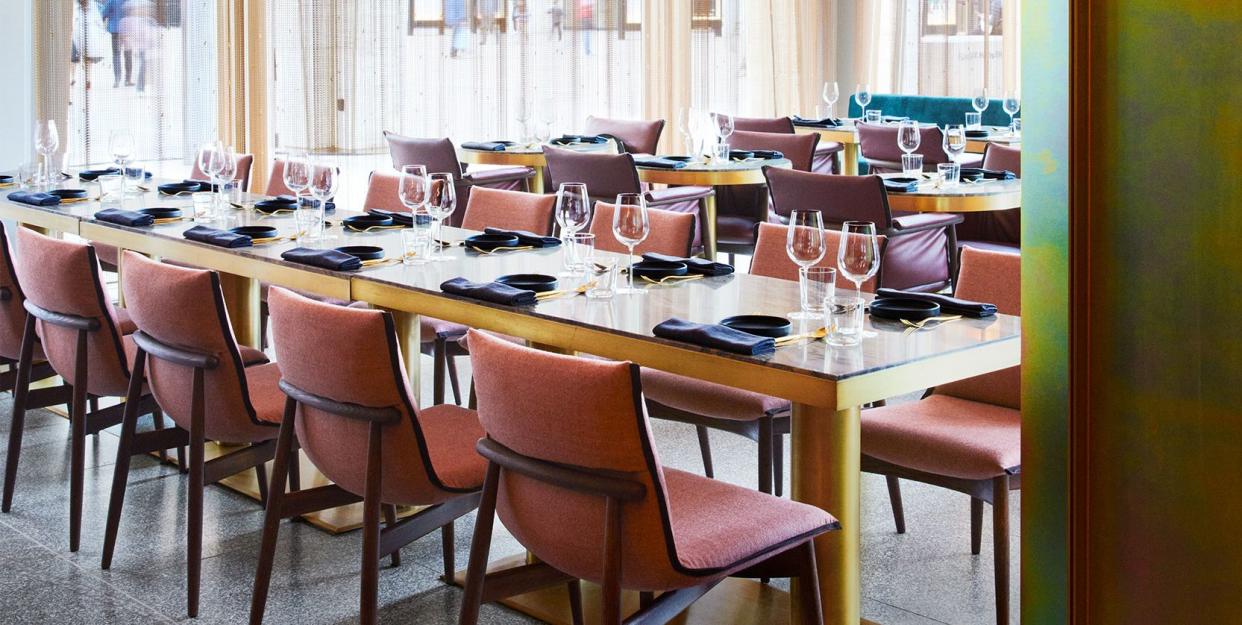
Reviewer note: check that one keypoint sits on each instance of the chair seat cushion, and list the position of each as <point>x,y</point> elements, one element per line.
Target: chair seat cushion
<point>430,328</point>
<point>678,194</point>
<point>265,395</point>
<point>451,433</point>
<point>708,398</point>
<point>991,246</point>
<point>946,436</point>
<point>251,356</point>
<point>907,221</point>
<point>828,147</point>
<point>720,527</point>
<point>735,229</point>
<point>484,175</point>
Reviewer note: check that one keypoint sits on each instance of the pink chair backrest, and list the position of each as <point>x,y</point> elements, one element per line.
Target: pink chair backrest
<point>364,367</point>
<point>772,260</point>
<point>879,143</point>
<point>839,198</point>
<point>640,136</point>
<point>438,155</point>
<point>276,180</point>
<point>1003,158</point>
<point>782,125</point>
<point>605,175</point>
<point>184,308</point>
<point>599,426</point>
<point>12,312</point>
<point>671,232</point>
<point>994,277</point>
<point>244,162</point>
<point>512,210</point>
<point>382,192</point>
<point>799,149</point>
<point>63,277</point>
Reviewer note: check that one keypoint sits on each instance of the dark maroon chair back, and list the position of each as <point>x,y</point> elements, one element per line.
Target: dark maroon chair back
<point>799,149</point>
<point>438,155</point>
<point>12,301</point>
<point>840,198</point>
<point>1003,158</point>
<point>740,207</point>
<point>638,136</point>
<point>782,125</point>
<point>1001,229</point>
<point>878,144</point>
<point>605,175</point>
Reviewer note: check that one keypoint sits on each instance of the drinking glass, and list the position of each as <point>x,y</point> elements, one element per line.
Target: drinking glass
<point>297,173</point>
<point>874,116</point>
<point>605,281</point>
<point>111,187</point>
<point>46,140</point>
<point>573,213</point>
<point>830,95</point>
<point>954,142</point>
<point>121,145</point>
<point>324,179</point>
<point>806,244</point>
<point>583,244</point>
<point>820,285</point>
<point>909,136</point>
<point>912,165</point>
<point>862,95</point>
<point>722,152</point>
<point>1015,127</point>
<point>309,224</point>
<point>416,244</point>
<point>949,173</point>
<point>843,315</point>
<point>28,175</point>
<point>858,257</point>
<point>724,126</point>
<point>980,101</point>
<point>974,121</point>
<point>441,202</point>
<point>1011,105</point>
<point>630,226</point>
<point>135,174</point>
<point>202,201</point>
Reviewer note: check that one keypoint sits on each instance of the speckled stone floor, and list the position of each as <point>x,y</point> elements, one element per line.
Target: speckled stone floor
<point>925,576</point>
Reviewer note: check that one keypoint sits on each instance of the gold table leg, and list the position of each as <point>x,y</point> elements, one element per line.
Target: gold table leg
<point>825,468</point>
<point>536,181</point>
<point>849,160</point>
<point>120,277</point>
<point>241,298</point>
<point>410,342</point>
<point>709,226</point>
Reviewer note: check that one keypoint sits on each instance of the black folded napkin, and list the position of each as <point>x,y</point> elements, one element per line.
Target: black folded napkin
<point>324,259</point>
<point>34,198</point>
<point>489,146</point>
<point>989,174</point>
<point>133,219</point>
<point>399,218</point>
<point>827,122</point>
<point>310,202</point>
<point>569,139</point>
<point>948,305</point>
<point>215,236</point>
<point>715,336</point>
<point>660,163</point>
<point>493,292</point>
<point>768,154</point>
<point>900,186</point>
<point>134,171</point>
<point>694,264</point>
<point>92,174</point>
<point>526,238</point>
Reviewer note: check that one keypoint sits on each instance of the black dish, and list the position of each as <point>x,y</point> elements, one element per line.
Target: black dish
<point>362,222</point>
<point>768,155</point>
<point>161,212</point>
<point>91,174</point>
<point>659,269</point>
<point>68,194</point>
<point>970,173</point>
<point>902,180</point>
<point>902,308</point>
<point>255,232</point>
<point>271,206</point>
<point>202,185</point>
<point>760,325</point>
<point>740,155</point>
<point>5,179</point>
<point>363,252</point>
<point>977,134</point>
<point>679,159</point>
<point>173,188</point>
<point>489,242</point>
<point>536,282</point>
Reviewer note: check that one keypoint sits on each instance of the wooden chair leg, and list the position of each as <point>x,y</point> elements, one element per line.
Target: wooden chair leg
<point>474,398</point>
<point>273,514</point>
<point>260,473</point>
<point>765,455</point>
<point>263,325</point>
<point>194,525</point>
<point>705,448</point>
<point>295,471</point>
<point>575,602</point>
<point>778,464</point>
<point>21,394</point>
<point>124,452</point>
<point>976,525</point>
<point>611,586</point>
<point>450,363</point>
<point>390,519</point>
<point>808,587</point>
<point>894,499</point>
<point>449,550</point>
<point>645,599</point>
<point>438,358</point>
<point>480,548</point>
<point>1000,546</point>
<point>368,612</point>
<point>77,425</point>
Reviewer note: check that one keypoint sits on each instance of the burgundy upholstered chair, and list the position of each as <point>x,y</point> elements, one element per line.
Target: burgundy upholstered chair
<point>185,347</point>
<point>964,436</point>
<point>826,159</point>
<point>578,483</point>
<point>608,175</point>
<point>671,233</point>
<point>919,252</point>
<point>439,155</point>
<point>878,145</point>
<point>761,418</point>
<point>995,230</point>
<point>637,136</point>
<point>357,422</point>
<point>740,207</point>
<point>83,337</point>
<point>244,163</point>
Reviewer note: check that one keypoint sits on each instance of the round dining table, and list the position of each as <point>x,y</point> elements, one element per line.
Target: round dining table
<point>847,135</point>
<point>527,155</point>
<point>711,174</point>
<point>963,197</point>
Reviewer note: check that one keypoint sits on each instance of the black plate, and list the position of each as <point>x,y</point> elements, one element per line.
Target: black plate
<point>203,185</point>
<point>362,222</point>
<point>363,252</point>
<point>273,205</point>
<point>5,179</point>
<point>68,194</point>
<point>977,134</point>
<point>901,308</point>
<point>740,155</point>
<point>761,325</point>
<point>488,242</point>
<point>536,282</point>
<point>679,159</point>
<point>902,180</point>
<point>161,212</point>
<point>970,173</point>
<point>255,232</point>
<point>173,188</point>
<point>659,269</point>
<point>768,155</point>
<point>91,174</point>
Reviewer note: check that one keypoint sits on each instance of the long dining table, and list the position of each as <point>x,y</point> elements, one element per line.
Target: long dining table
<point>827,385</point>
<point>847,135</point>
<point>962,197</point>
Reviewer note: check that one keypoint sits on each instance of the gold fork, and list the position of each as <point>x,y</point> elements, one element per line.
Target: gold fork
<point>502,249</point>
<point>673,279</point>
<point>915,326</point>
<point>546,295</point>
<point>353,229</point>
<point>795,338</point>
<point>171,220</point>
<point>286,237</point>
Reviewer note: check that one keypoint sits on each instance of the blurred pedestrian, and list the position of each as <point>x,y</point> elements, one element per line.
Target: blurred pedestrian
<point>113,12</point>
<point>139,32</point>
<point>556,14</point>
<point>455,18</point>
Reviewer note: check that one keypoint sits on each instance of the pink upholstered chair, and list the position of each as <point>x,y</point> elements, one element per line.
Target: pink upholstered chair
<point>919,254</point>
<point>878,145</point>
<point>608,175</point>
<point>671,232</point>
<point>637,136</point>
<point>383,191</point>
<point>995,230</point>
<point>357,422</point>
<point>826,160</point>
<point>964,436</point>
<point>578,483</point>
<point>83,337</point>
<point>276,180</point>
<point>244,163</point>
<point>439,155</point>
<point>185,347</point>
<point>740,207</point>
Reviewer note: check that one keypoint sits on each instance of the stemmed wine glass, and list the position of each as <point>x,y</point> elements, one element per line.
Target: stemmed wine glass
<point>862,95</point>
<point>980,102</point>
<point>909,136</point>
<point>630,226</point>
<point>441,202</point>
<point>413,187</point>
<point>858,257</point>
<point>1011,104</point>
<point>210,162</point>
<point>324,179</point>
<point>573,213</point>
<point>297,174</point>
<point>46,140</point>
<point>724,126</point>
<point>685,125</point>
<point>954,142</point>
<point>806,245</point>
<point>831,94</point>
<point>121,144</point>
<point>228,171</point>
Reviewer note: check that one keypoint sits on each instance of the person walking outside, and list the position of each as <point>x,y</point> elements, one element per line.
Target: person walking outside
<point>113,12</point>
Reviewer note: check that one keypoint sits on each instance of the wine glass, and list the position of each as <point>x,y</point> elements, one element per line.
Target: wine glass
<point>297,173</point>
<point>830,95</point>
<point>228,170</point>
<point>573,213</point>
<point>724,126</point>
<point>324,179</point>
<point>46,140</point>
<point>630,226</point>
<point>980,101</point>
<point>210,162</point>
<point>543,131</point>
<point>441,202</point>
<point>121,145</point>
<point>862,95</point>
<point>412,191</point>
<point>685,125</point>
<point>858,257</point>
<point>806,245</point>
<point>909,136</point>
<point>1011,104</point>
<point>954,142</point>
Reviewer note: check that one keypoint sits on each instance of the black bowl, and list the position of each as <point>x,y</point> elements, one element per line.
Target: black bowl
<point>255,232</point>
<point>362,222</point>
<point>92,174</point>
<point>274,205</point>
<point>363,252</point>
<point>536,282</point>
<point>977,134</point>
<point>659,269</point>
<point>161,212</point>
<point>203,185</point>
<point>902,308</point>
<point>761,325</point>
<point>173,188</point>
<point>68,194</point>
<point>970,173</point>
<point>488,242</point>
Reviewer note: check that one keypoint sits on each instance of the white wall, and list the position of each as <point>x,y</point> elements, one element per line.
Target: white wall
<point>16,74</point>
